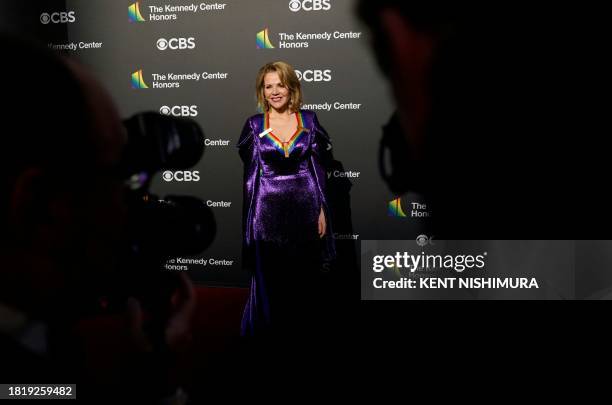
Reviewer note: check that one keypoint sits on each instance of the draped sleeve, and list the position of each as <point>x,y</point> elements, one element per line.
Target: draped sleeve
<point>319,160</point>
<point>247,149</point>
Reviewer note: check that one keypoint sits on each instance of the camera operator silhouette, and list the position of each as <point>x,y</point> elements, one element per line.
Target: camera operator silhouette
<point>63,213</point>
<point>477,130</point>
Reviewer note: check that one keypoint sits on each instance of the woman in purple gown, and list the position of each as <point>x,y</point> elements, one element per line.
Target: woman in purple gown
<point>286,223</point>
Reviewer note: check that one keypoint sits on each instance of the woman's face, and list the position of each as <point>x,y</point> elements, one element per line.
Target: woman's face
<point>275,93</point>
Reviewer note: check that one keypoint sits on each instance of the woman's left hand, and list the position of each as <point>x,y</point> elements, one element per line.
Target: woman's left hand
<point>322,224</point>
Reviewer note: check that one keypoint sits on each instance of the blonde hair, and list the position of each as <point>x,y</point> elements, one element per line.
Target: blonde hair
<point>287,77</point>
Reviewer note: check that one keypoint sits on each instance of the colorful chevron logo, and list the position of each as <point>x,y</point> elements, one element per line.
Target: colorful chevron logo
<point>134,13</point>
<point>137,81</point>
<point>263,40</point>
<point>394,208</point>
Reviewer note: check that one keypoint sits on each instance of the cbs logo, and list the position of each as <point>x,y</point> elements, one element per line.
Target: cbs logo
<point>175,43</point>
<point>424,240</point>
<point>314,75</point>
<point>309,5</point>
<point>180,110</point>
<point>181,176</point>
<point>60,17</point>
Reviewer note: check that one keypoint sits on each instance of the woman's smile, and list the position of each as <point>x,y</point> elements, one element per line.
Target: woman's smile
<point>277,99</point>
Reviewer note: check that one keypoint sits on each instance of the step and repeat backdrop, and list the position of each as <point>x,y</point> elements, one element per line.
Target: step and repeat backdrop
<point>200,60</point>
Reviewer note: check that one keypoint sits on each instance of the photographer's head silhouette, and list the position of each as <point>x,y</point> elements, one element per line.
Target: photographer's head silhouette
<point>476,118</point>
<point>72,219</point>
<point>62,204</point>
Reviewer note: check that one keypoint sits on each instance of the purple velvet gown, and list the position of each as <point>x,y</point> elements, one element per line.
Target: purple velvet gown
<point>284,191</point>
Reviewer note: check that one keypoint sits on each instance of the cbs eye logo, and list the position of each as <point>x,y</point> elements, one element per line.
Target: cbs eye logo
<point>180,110</point>
<point>295,5</point>
<point>181,176</point>
<point>61,17</point>
<point>309,5</point>
<point>162,44</point>
<point>315,75</point>
<point>424,240</point>
<point>175,43</point>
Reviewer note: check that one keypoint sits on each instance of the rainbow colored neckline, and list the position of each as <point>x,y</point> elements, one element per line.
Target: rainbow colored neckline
<point>285,147</point>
